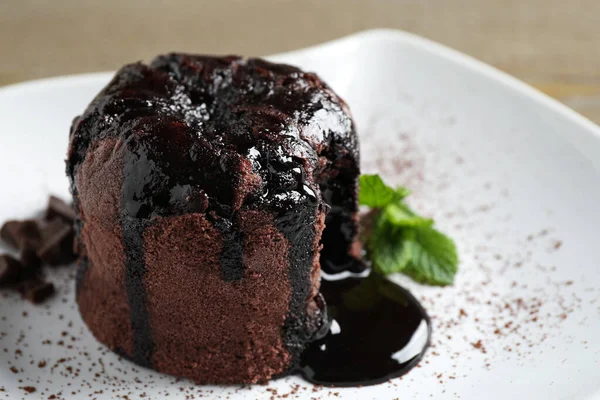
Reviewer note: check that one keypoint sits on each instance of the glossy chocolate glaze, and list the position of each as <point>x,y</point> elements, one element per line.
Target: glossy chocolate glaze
<point>217,135</point>
<point>377,331</point>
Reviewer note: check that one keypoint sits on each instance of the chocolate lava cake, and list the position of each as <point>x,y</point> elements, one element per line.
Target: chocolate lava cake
<point>209,192</point>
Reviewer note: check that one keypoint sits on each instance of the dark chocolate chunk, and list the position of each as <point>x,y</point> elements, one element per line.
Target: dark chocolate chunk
<point>49,229</point>
<point>47,240</point>
<point>28,255</point>
<point>29,229</point>
<point>58,208</point>
<point>10,233</point>
<point>57,248</point>
<point>10,270</point>
<point>37,291</point>
<point>14,232</point>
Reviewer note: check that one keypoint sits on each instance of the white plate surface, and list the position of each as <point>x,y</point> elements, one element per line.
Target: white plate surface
<point>512,175</point>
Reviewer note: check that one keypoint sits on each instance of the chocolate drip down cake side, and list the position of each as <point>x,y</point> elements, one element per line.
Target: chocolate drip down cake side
<point>209,192</point>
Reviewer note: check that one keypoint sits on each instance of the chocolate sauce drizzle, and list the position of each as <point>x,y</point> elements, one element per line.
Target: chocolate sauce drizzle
<point>232,256</point>
<point>299,230</point>
<point>378,331</point>
<point>136,170</point>
<point>133,234</point>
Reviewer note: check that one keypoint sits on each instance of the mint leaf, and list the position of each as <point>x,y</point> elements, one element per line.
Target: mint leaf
<point>400,215</point>
<point>433,258</point>
<point>376,194</point>
<point>402,241</point>
<point>386,249</point>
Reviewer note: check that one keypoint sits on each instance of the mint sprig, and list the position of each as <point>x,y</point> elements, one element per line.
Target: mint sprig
<point>376,194</point>
<point>401,240</point>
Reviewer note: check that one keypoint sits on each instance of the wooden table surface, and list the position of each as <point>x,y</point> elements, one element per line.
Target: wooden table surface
<point>552,44</point>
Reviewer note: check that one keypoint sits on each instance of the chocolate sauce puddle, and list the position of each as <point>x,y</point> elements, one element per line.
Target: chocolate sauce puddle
<point>378,331</point>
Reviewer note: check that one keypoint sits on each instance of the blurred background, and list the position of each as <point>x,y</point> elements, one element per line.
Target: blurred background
<point>551,44</point>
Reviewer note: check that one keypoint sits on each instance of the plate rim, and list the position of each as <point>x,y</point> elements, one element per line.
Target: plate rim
<point>406,38</point>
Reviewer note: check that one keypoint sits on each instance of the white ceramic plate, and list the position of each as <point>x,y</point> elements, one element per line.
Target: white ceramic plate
<point>512,175</point>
